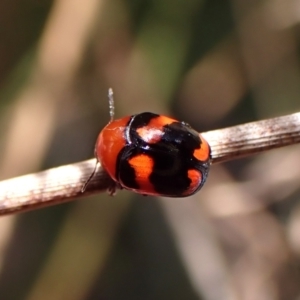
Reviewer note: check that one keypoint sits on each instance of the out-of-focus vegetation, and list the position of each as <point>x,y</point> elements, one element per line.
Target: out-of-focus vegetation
<point>211,63</point>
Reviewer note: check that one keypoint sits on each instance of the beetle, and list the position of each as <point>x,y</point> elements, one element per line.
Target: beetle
<point>152,154</point>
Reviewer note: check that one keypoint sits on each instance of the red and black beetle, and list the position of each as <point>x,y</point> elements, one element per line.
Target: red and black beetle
<point>153,154</point>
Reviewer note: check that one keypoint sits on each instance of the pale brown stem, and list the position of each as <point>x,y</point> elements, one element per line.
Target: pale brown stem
<point>251,138</point>
<point>64,183</point>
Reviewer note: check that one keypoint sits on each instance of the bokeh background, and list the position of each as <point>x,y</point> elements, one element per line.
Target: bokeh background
<point>210,63</point>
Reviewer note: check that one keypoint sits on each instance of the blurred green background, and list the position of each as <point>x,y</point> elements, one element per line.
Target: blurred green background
<point>210,63</point>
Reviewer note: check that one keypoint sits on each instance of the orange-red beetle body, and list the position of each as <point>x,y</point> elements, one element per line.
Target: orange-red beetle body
<point>154,155</point>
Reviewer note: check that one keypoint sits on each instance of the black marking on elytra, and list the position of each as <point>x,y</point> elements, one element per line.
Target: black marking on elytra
<point>172,156</point>
<point>186,138</point>
<point>169,175</point>
<point>142,119</point>
<point>125,172</point>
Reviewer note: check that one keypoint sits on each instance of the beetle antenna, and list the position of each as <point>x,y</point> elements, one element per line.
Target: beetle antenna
<point>111,103</point>
<point>89,179</point>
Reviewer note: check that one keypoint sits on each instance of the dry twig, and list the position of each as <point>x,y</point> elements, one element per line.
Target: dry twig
<point>64,183</point>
